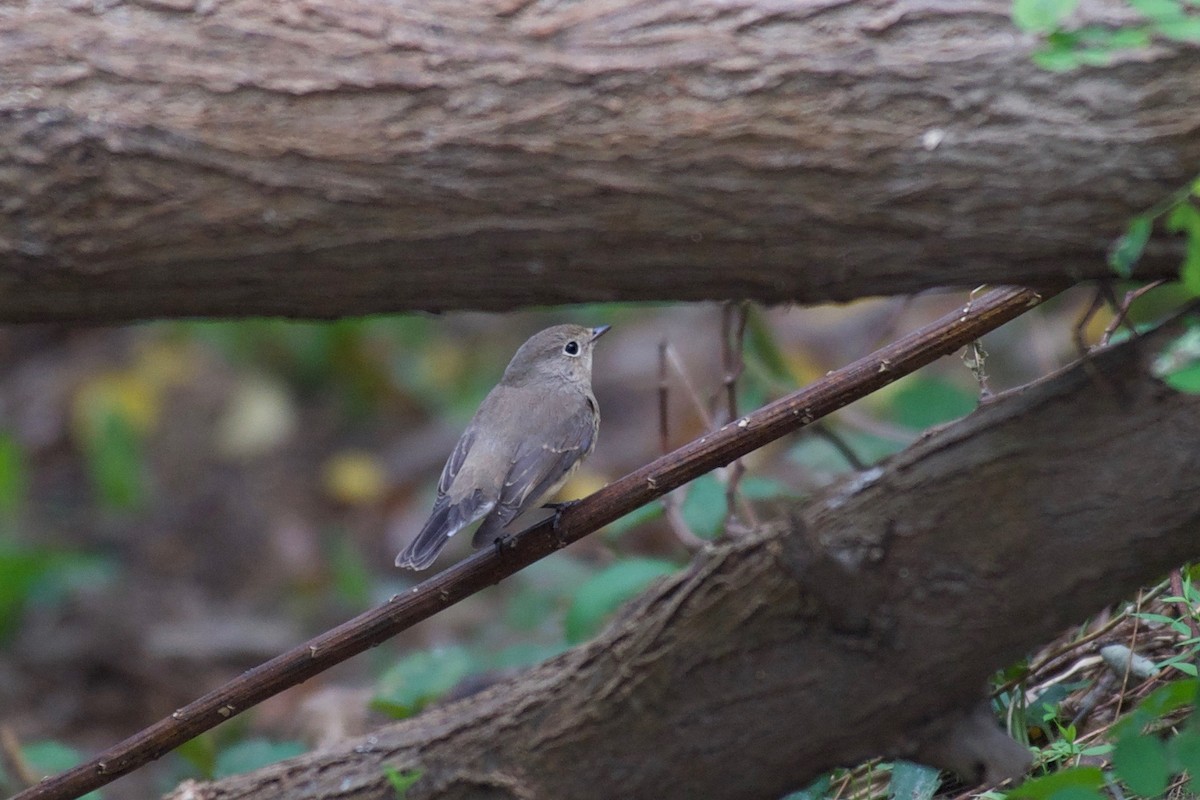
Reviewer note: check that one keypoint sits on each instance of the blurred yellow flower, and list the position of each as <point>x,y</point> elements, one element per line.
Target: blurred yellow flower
<point>354,478</point>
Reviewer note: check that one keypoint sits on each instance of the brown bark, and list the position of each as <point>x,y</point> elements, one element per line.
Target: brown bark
<point>744,676</point>
<point>232,157</point>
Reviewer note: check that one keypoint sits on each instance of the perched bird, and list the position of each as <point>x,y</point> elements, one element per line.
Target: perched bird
<point>527,438</point>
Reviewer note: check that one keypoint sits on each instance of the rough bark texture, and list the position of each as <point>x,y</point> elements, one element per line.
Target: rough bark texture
<point>744,676</point>
<point>232,157</point>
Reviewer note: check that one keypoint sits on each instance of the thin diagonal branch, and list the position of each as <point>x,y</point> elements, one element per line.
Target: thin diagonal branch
<point>487,567</point>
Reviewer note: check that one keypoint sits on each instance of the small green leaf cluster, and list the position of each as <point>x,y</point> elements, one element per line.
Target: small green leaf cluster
<point>1179,214</point>
<point>1096,46</point>
<point>1148,753</point>
<point>1178,365</point>
<point>1187,650</point>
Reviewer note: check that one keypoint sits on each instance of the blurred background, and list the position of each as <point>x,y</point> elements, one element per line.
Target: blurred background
<point>180,501</point>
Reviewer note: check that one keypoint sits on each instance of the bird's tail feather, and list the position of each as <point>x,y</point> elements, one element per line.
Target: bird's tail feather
<point>445,520</point>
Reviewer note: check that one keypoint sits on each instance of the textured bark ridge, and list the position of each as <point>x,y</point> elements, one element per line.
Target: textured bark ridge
<point>747,675</point>
<point>319,158</point>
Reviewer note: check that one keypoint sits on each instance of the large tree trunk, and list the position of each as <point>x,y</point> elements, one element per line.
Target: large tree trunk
<point>192,157</point>
<point>743,677</point>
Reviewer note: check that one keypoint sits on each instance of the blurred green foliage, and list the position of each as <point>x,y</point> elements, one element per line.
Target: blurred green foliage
<point>41,575</point>
<point>422,677</point>
<point>913,781</point>
<point>115,459</point>
<point>1066,48</point>
<point>229,751</point>
<point>251,754</point>
<point>14,478</point>
<point>46,757</point>
<point>1145,757</point>
<point>704,506</point>
<point>401,781</point>
<point>1178,213</point>
<point>921,401</point>
<point>606,591</point>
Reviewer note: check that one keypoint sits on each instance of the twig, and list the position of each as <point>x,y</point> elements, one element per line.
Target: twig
<point>1092,698</point>
<point>733,331</point>
<point>672,509</point>
<point>1044,662</point>
<point>1079,330</point>
<point>701,408</point>
<point>13,760</point>
<point>489,566</point>
<point>823,431</point>
<point>1122,315</point>
<point>1132,649</point>
<point>664,415</point>
<point>733,334</point>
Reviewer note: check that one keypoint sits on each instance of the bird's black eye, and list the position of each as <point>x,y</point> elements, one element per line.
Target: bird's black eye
<point>571,348</point>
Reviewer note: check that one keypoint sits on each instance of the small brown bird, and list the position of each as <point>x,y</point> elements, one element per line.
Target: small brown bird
<point>527,438</point>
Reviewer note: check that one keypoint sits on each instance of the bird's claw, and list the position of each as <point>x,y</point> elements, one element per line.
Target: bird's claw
<point>558,509</point>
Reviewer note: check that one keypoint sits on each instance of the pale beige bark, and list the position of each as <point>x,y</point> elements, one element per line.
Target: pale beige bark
<point>325,157</point>
<point>866,624</point>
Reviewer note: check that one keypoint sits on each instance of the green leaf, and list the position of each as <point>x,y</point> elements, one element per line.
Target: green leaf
<point>401,781</point>
<point>761,349</point>
<point>1041,16</point>
<point>755,487</point>
<point>1078,793</point>
<point>920,402</point>
<point>1048,785</point>
<point>416,680</point>
<point>1184,750</point>
<point>1124,38</point>
<point>1094,56</point>
<point>1170,697</point>
<point>1186,380</point>
<point>633,519</point>
<point>1189,273</point>
<point>13,477</point>
<point>1183,218</point>
<point>201,753</point>
<point>1185,665</point>
<point>607,590</point>
<point>1185,29</point>
<point>1176,363</point>
<point>1141,762</point>
<point>1158,9</point>
<point>525,654</point>
<point>351,578</point>
<point>1056,59</point>
<point>913,781</point>
<point>49,757</point>
<point>251,754</point>
<point>1126,251</point>
<point>704,507</point>
<point>30,575</point>
<point>114,460</point>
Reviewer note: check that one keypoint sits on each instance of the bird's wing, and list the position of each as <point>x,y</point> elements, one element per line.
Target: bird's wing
<point>447,517</point>
<point>538,467</point>
<point>455,461</point>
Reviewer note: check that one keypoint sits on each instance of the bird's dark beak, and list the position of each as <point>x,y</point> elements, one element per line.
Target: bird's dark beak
<point>598,332</point>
